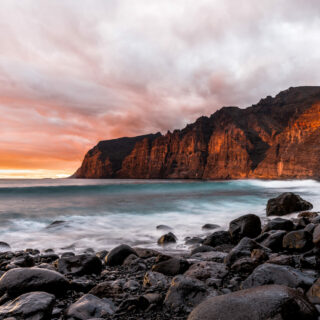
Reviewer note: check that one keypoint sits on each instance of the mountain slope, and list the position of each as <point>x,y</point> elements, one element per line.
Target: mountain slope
<point>276,138</point>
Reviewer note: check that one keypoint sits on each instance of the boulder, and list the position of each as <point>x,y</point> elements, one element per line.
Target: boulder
<point>248,225</point>
<point>216,256</point>
<point>207,269</point>
<point>276,274</point>
<point>163,227</point>
<point>90,306</point>
<point>210,226</point>
<point>155,280</point>
<point>274,240</point>
<point>171,267</point>
<point>80,265</point>
<point>108,289</point>
<point>21,280</point>
<point>31,306</point>
<point>243,249</point>
<point>118,254</point>
<point>287,202</point>
<point>297,240</point>
<point>185,293</point>
<point>260,303</point>
<point>278,224</point>
<point>167,239</point>
<point>308,214</point>
<point>217,238</point>
<point>203,248</point>
<point>193,240</point>
<point>313,293</point>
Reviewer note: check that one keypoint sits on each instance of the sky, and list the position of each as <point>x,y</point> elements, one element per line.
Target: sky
<point>73,72</point>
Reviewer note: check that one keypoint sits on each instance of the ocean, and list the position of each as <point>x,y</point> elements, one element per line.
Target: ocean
<point>101,214</point>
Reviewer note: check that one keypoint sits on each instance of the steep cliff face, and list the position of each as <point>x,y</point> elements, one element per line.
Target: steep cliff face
<point>276,138</point>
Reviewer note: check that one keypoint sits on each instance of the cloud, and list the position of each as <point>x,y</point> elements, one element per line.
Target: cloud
<point>75,72</point>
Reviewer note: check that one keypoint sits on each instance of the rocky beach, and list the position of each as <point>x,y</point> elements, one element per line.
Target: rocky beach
<point>254,270</point>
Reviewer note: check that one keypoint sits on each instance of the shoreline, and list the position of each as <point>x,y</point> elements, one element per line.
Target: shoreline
<point>252,258</point>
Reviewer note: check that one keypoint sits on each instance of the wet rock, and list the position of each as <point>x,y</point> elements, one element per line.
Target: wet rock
<point>82,285</point>
<point>259,255</point>
<point>185,293</point>
<point>216,256</point>
<point>210,226</point>
<point>297,240</point>
<point>283,260</point>
<point>22,280</point>
<point>274,240</point>
<point>102,254</point>
<point>310,227</point>
<point>48,257</point>
<point>155,280</point>
<point>67,254</point>
<point>313,293</point>
<point>167,239</point>
<point>202,248</point>
<point>308,214</point>
<point>217,238</point>
<point>25,260</point>
<point>56,223</point>
<point>80,265</point>
<point>243,249</point>
<point>260,303</point>
<point>244,265</point>
<point>131,260</point>
<point>207,269</point>
<point>193,240</point>
<point>278,224</point>
<point>276,274</point>
<point>149,299</point>
<point>171,267</point>
<point>118,254</point>
<point>146,253</point>
<point>31,306</point>
<point>163,227</point>
<point>90,306</point>
<point>287,202</point>
<point>316,236</point>
<point>131,285</point>
<point>108,289</point>
<point>248,225</point>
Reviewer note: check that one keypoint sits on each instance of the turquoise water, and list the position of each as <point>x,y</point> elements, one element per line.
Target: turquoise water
<point>104,213</point>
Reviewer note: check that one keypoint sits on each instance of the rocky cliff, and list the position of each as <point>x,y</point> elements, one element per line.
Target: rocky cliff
<point>277,138</point>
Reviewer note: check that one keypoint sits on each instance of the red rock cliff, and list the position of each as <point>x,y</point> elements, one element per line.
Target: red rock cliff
<point>277,138</point>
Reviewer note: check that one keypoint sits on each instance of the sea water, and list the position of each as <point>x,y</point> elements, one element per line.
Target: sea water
<point>104,213</point>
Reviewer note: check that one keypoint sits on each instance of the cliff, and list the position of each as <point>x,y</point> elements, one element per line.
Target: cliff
<point>278,138</point>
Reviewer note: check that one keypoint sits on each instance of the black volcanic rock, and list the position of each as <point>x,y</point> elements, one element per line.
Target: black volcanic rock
<point>276,138</point>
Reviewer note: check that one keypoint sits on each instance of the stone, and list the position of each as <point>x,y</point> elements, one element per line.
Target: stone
<point>131,285</point>
<point>150,299</point>
<point>285,203</point>
<point>146,253</point>
<point>283,260</point>
<point>163,227</point>
<point>118,254</point>
<point>108,289</point>
<point>276,274</point>
<point>308,214</point>
<point>90,306</point>
<point>244,265</point>
<point>22,280</point>
<point>171,267</point>
<point>260,303</point>
<point>274,240</point>
<point>316,236</point>
<point>313,293</point>
<point>278,224</point>
<point>243,249</point>
<point>193,240</point>
<point>207,269</point>
<point>202,248</point>
<point>4,247</point>
<point>166,239</point>
<point>216,256</point>
<point>217,238</point>
<point>210,226</point>
<point>248,225</point>
<point>155,280</point>
<point>185,293</point>
<point>310,227</point>
<point>30,306</point>
<point>297,240</point>
<point>80,265</point>
<point>56,223</point>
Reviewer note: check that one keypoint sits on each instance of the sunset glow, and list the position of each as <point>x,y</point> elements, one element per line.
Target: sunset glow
<point>76,72</point>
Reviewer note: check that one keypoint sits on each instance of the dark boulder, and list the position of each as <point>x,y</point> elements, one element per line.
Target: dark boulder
<point>163,227</point>
<point>217,238</point>
<point>297,241</point>
<point>243,249</point>
<point>248,225</point>
<point>274,240</point>
<point>260,303</point>
<point>171,267</point>
<point>275,274</point>
<point>203,248</point>
<point>185,293</point>
<point>118,254</point>
<point>21,280</point>
<point>90,306</point>
<point>80,265</point>
<point>166,239</point>
<point>287,202</point>
<point>31,306</point>
<point>204,270</point>
<point>155,280</point>
<point>210,226</point>
<point>278,224</point>
<point>308,214</point>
